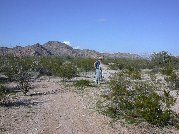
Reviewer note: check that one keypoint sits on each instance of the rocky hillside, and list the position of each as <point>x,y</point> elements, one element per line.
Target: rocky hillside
<point>59,49</point>
<point>122,55</point>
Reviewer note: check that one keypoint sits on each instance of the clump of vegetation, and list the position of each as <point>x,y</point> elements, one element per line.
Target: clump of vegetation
<point>167,65</point>
<point>138,101</point>
<point>3,129</point>
<point>23,80</point>
<point>161,59</point>
<point>133,73</point>
<point>49,65</point>
<point>164,61</point>
<point>18,69</point>
<point>124,63</point>
<point>10,66</point>
<point>3,93</point>
<point>67,71</point>
<point>66,67</point>
<point>84,64</point>
<point>167,70</point>
<point>172,81</point>
<point>23,76</point>
<point>81,84</point>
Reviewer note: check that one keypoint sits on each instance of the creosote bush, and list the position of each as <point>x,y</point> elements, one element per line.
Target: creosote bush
<point>167,70</point>
<point>60,65</point>
<point>133,73</point>
<point>67,71</point>
<point>125,63</point>
<point>172,81</point>
<point>84,64</point>
<point>137,101</point>
<point>18,69</point>
<point>49,65</point>
<point>81,84</point>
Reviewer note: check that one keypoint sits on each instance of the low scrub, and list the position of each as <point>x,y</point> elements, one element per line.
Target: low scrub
<point>84,64</point>
<point>49,65</point>
<point>172,81</point>
<point>133,73</point>
<point>167,70</point>
<point>123,63</point>
<point>67,71</point>
<point>81,84</point>
<point>137,101</point>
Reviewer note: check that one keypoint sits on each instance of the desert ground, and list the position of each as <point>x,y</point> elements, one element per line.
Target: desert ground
<point>54,107</point>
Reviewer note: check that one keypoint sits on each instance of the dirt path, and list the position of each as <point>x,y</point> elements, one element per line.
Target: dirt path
<point>55,109</point>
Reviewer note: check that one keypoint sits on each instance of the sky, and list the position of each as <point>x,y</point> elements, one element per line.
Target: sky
<point>127,26</point>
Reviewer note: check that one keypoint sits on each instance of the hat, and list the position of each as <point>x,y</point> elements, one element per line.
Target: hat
<point>100,57</point>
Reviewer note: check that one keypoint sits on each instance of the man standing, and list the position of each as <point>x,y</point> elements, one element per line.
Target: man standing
<point>98,68</point>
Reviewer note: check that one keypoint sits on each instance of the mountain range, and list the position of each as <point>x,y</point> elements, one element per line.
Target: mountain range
<point>56,48</point>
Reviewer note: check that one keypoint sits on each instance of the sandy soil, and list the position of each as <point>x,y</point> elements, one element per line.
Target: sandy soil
<point>54,108</point>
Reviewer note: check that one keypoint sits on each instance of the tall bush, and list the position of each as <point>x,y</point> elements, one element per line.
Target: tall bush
<point>18,69</point>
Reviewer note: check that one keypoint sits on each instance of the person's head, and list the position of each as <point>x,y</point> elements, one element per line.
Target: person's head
<point>100,58</point>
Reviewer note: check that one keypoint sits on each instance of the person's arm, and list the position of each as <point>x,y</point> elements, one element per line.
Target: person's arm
<point>94,64</point>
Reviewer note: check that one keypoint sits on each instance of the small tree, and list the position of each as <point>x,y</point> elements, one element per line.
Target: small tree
<point>23,81</point>
<point>18,69</point>
<point>23,76</point>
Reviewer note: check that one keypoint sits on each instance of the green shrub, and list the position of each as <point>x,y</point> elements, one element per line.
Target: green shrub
<point>81,84</point>
<point>13,64</point>
<point>116,66</point>
<point>137,101</point>
<point>10,67</point>
<point>133,73</point>
<point>172,81</point>
<point>124,63</point>
<point>167,70</point>
<point>17,69</point>
<point>23,81</point>
<point>50,65</point>
<point>84,64</point>
<point>151,107</point>
<point>161,59</point>
<point>67,71</point>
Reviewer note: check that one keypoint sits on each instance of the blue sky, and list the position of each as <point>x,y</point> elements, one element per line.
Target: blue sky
<point>131,26</point>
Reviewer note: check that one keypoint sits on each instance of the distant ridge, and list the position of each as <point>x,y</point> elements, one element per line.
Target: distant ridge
<point>56,48</point>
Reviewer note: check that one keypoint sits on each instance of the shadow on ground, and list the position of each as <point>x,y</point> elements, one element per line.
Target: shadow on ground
<point>48,92</point>
<point>20,103</point>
